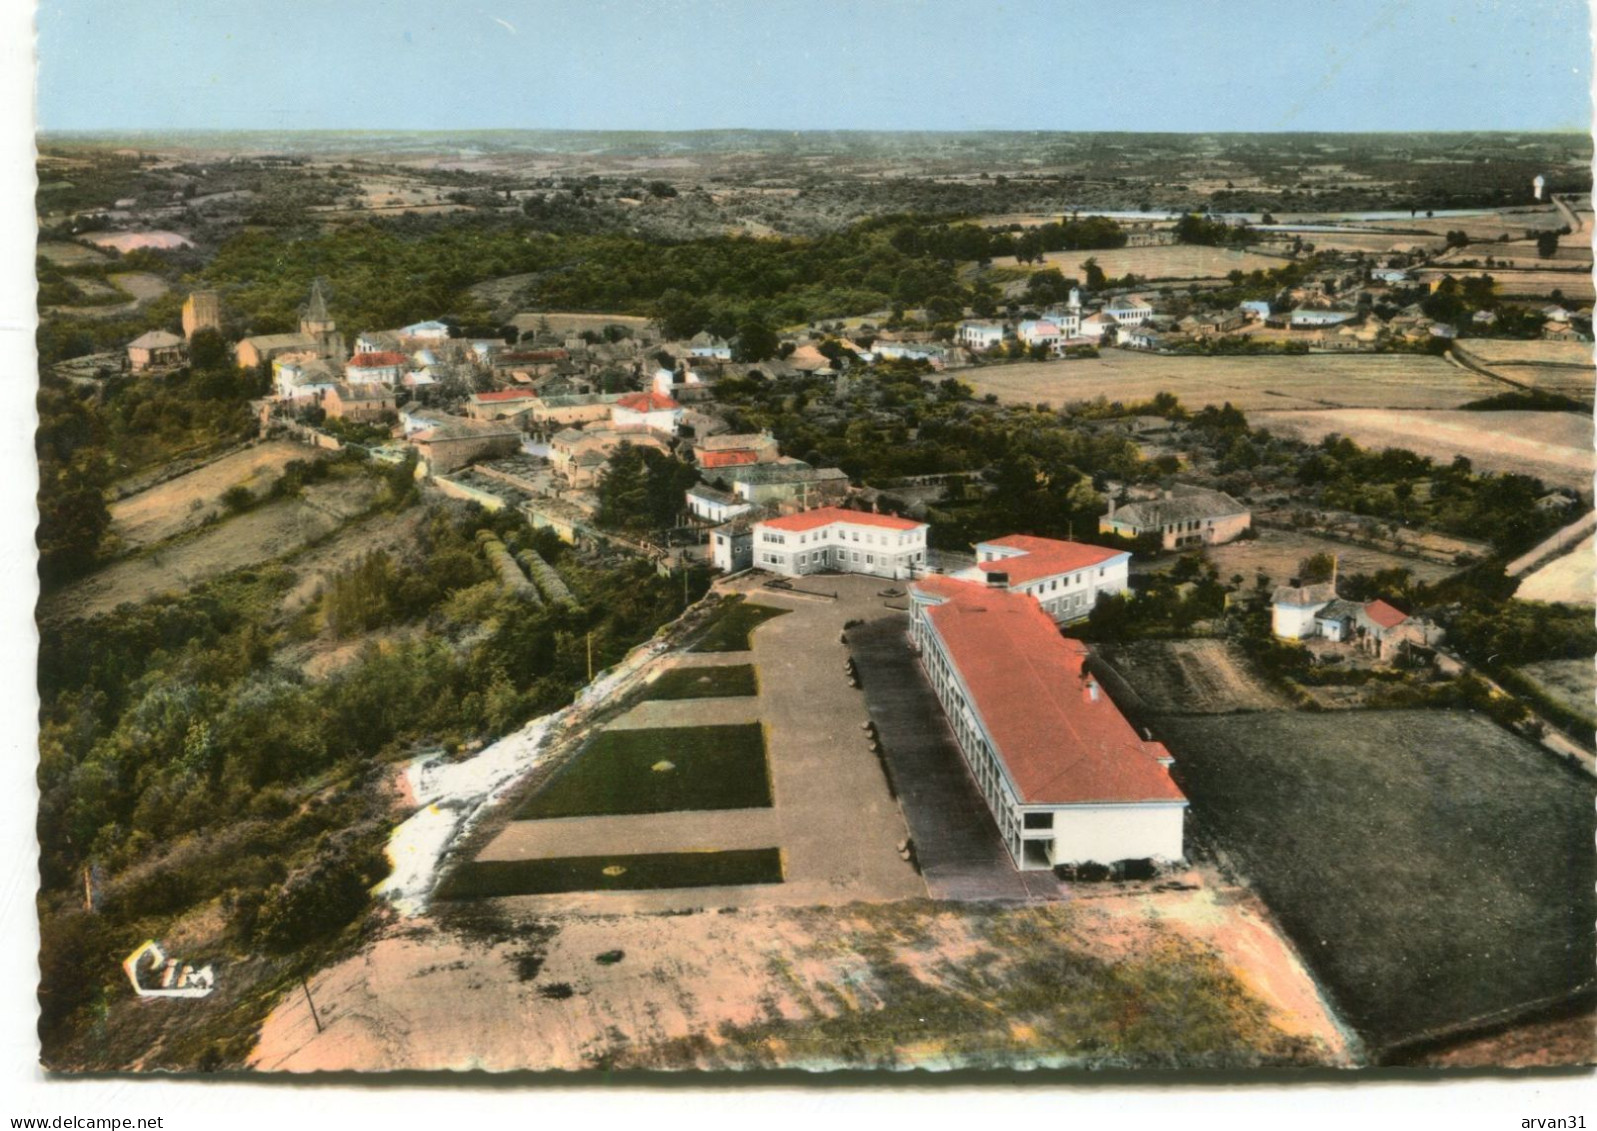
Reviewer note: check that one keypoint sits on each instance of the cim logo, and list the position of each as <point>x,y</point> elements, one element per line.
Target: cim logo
<point>153,974</point>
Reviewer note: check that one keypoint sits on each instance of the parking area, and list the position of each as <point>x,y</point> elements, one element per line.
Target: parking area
<point>960,851</point>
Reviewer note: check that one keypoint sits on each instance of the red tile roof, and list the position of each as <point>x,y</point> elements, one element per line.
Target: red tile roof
<point>647,402</point>
<point>1384,615</point>
<point>377,360</point>
<point>1028,685</point>
<point>823,516</point>
<point>731,458</point>
<point>1044,557</point>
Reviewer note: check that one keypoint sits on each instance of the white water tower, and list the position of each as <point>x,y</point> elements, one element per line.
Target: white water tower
<point>1538,185</point>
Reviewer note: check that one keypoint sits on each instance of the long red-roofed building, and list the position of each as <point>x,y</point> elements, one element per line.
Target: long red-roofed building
<point>1067,778</point>
<point>1065,578</point>
<point>832,539</point>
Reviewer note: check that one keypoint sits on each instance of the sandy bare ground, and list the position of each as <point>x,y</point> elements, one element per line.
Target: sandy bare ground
<point>250,539</point>
<point>1397,381</point>
<point>1190,677</point>
<point>1569,579</point>
<point>132,241</point>
<point>1276,553</point>
<point>532,995</point>
<point>169,508</point>
<point>1556,447</point>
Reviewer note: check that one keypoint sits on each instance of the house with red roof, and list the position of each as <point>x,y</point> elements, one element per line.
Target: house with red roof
<point>381,368</point>
<point>647,410</point>
<point>832,539</point>
<point>1065,578</point>
<point>1068,780</point>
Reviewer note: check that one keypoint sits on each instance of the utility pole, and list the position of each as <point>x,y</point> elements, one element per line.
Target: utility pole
<point>304,985</point>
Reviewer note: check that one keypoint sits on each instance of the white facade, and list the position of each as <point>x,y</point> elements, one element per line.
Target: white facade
<point>840,544</point>
<point>1066,594</point>
<point>716,506</point>
<point>426,331</point>
<point>1129,311</point>
<point>1293,618</point>
<point>980,335</point>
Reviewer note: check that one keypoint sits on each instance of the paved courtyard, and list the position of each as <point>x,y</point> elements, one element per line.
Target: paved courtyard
<point>831,815</point>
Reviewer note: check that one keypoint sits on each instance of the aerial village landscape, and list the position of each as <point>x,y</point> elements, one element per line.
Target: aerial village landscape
<point>746,600</point>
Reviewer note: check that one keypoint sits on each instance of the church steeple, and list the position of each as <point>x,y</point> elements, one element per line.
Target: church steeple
<point>316,321</point>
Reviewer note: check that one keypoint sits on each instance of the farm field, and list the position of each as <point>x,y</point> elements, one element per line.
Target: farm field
<point>1175,261</point>
<point>132,241</point>
<point>1491,352</point>
<point>1187,677</point>
<point>188,501</point>
<point>1276,554</point>
<point>1575,285</point>
<point>561,322</point>
<point>250,539</point>
<point>66,254</point>
<point>1556,447</point>
<point>1487,226</point>
<point>1567,579</point>
<point>1433,869</point>
<point>1374,243</point>
<point>1396,381</point>
<point>1572,682</point>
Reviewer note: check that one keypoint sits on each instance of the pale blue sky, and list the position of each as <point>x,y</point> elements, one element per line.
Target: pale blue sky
<point>814,64</point>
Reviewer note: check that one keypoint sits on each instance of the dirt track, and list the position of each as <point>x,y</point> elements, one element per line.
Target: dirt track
<point>1197,677</point>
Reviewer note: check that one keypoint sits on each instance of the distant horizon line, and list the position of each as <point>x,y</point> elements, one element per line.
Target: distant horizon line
<point>103,131</point>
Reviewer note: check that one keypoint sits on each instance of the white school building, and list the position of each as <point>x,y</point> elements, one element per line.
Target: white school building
<point>838,540</point>
<point>1067,779</point>
<point>1065,578</point>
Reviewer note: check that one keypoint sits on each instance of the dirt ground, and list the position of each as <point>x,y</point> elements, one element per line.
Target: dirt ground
<point>250,539</point>
<point>383,532</point>
<point>1189,677</point>
<point>170,508</point>
<point>1571,682</point>
<point>533,994</point>
<point>1537,1044</point>
<point>1277,553</point>
<point>131,241</point>
<point>1556,447</point>
<point>1567,579</point>
<point>1392,381</point>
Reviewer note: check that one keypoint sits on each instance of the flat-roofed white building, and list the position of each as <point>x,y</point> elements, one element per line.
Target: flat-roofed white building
<point>1067,779</point>
<point>980,335</point>
<point>837,540</point>
<point>1065,578</point>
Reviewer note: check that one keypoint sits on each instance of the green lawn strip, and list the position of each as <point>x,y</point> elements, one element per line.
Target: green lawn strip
<point>716,682</point>
<point>481,879</point>
<point>730,628</point>
<point>661,770</point>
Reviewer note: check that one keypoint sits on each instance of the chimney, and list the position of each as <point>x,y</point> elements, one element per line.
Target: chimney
<point>1090,690</point>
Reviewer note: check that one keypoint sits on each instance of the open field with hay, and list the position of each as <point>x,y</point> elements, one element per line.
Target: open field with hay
<point>191,500</point>
<point>1567,579</point>
<point>1175,261</point>
<point>1394,381</point>
<point>1555,447</point>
